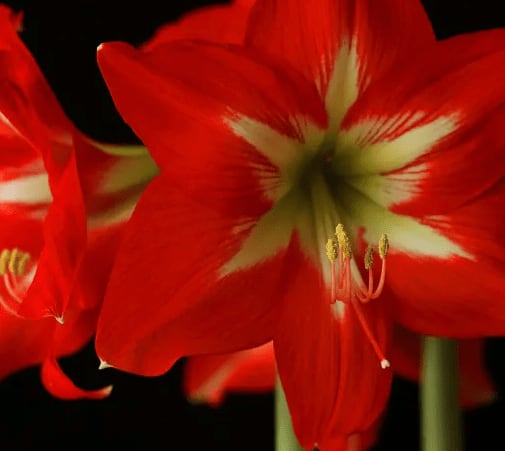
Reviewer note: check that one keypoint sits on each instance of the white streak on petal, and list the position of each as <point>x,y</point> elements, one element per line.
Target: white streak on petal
<point>392,189</point>
<point>119,213</point>
<point>342,90</point>
<point>268,236</point>
<point>405,233</point>
<point>287,154</point>
<point>395,149</point>
<point>30,189</point>
<point>216,381</point>
<point>5,120</point>
<point>127,173</point>
<point>38,214</point>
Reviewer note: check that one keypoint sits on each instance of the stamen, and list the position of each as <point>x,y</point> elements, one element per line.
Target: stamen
<point>351,290</point>
<point>5,256</point>
<point>13,264</point>
<point>383,250</point>
<point>14,261</point>
<point>369,254</point>
<point>383,246</point>
<point>331,250</point>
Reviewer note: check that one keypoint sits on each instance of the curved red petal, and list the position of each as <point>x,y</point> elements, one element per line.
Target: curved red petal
<point>23,342</point>
<point>28,342</point>
<point>328,355</point>
<point>171,274</point>
<point>29,105</point>
<point>60,386</point>
<point>459,295</point>
<point>30,112</point>
<point>190,127</point>
<point>64,244</point>
<point>215,23</point>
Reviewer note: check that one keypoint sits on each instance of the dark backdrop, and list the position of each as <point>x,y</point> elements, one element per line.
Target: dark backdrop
<point>150,413</point>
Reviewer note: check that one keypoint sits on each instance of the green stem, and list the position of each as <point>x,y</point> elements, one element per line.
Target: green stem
<point>285,439</point>
<point>440,412</point>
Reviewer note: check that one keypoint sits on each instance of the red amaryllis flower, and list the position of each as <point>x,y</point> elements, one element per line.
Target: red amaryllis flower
<point>334,112</point>
<point>41,201</point>
<point>46,271</point>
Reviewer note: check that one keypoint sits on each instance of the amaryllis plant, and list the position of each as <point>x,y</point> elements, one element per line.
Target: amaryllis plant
<point>320,208</point>
<point>62,207</point>
<point>285,159</point>
<point>207,378</point>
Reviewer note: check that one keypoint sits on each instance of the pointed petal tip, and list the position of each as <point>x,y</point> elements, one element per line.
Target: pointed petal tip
<point>104,365</point>
<point>105,391</point>
<point>59,385</point>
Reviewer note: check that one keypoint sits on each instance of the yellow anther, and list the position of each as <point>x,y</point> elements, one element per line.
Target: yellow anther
<point>5,255</point>
<point>339,230</point>
<point>22,263</point>
<point>383,246</point>
<point>12,265</point>
<point>14,261</point>
<point>344,244</point>
<point>331,250</point>
<point>343,241</point>
<point>369,253</point>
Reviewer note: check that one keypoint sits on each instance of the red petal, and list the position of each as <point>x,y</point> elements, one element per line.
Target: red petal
<point>457,296</point>
<point>208,378</point>
<point>356,442</point>
<point>312,36</point>
<point>452,93</point>
<point>328,358</point>
<point>60,386</point>
<point>168,295</point>
<point>23,343</point>
<point>31,110</point>
<point>64,242</point>
<point>27,99</point>
<point>28,342</point>
<point>96,266</point>
<point>475,386</point>
<point>8,15</point>
<point>215,23</point>
<point>186,123</point>
<point>111,183</point>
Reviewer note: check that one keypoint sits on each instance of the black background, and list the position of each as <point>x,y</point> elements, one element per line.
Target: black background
<point>151,413</point>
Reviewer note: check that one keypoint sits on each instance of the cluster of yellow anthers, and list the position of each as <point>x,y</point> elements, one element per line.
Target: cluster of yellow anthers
<point>13,264</point>
<point>348,287</point>
<point>14,261</point>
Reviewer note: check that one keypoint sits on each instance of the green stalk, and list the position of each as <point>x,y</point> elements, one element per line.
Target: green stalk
<point>285,439</point>
<point>440,412</point>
